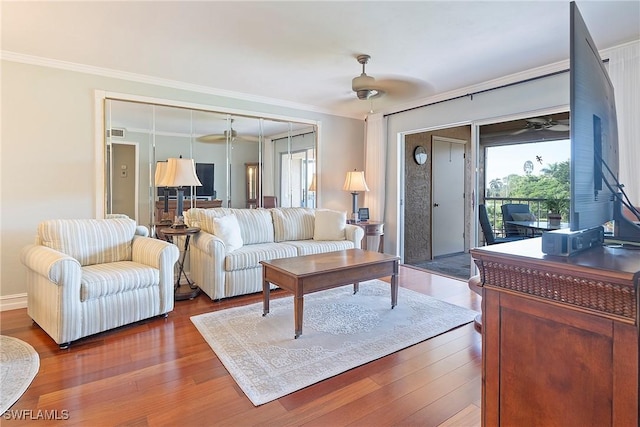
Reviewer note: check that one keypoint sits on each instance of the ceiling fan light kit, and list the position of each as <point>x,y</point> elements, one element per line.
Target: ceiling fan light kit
<point>363,85</point>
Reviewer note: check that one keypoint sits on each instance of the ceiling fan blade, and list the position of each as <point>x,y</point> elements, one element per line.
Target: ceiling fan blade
<point>223,138</point>
<point>559,128</point>
<point>518,132</point>
<point>212,138</point>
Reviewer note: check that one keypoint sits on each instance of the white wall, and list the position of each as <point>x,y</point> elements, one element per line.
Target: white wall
<point>48,152</point>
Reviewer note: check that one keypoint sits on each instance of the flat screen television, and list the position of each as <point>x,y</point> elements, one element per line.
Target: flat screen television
<point>205,173</point>
<point>596,194</point>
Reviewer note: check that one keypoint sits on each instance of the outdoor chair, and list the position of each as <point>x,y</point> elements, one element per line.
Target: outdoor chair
<point>522,212</point>
<point>487,230</point>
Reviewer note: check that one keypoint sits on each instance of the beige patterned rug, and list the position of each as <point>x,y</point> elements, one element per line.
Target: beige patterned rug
<point>340,331</point>
<point>19,364</point>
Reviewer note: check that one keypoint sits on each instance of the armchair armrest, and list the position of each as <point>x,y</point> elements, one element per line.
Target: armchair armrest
<point>49,263</point>
<point>154,252</point>
<point>53,292</point>
<point>163,256</point>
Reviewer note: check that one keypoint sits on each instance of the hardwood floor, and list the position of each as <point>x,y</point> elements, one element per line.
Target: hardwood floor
<point>162,372</point>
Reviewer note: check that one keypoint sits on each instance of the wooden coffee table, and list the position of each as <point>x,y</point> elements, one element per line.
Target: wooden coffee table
<point>311,273</point>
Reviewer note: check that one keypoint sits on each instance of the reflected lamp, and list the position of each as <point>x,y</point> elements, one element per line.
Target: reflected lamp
<point>179,173</point>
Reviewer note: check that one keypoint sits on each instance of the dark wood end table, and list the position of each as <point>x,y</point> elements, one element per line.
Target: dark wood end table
<point>168,234</point>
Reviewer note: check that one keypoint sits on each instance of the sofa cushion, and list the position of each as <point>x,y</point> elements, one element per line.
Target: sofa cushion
<point>102,280</point>
<point>329,225</point>
<point>256,225</point>
<point>292,224</point>
<point>310,247</point>
<point>90,241</point>
<point>249,256</point>
<point>228,230</point>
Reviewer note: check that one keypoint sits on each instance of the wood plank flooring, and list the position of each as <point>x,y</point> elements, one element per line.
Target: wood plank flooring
<point>161,372</point>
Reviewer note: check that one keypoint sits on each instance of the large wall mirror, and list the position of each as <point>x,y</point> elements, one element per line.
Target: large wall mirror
<point>242,161</point>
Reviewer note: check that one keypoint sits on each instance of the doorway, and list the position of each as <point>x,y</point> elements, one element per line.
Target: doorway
<point>123,168</point>
<point>421,242</point>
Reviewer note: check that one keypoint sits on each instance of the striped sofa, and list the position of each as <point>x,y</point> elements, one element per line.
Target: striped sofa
<point>266,234</point>
<point>86,276</point>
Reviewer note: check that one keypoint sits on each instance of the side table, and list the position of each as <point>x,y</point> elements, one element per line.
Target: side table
<point>373,229</point>
<point>168,234</point>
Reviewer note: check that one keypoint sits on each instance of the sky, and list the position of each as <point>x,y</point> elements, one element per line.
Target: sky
<point>505,160</point>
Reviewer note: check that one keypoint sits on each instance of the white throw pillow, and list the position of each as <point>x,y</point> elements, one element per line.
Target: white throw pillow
<point>329,225</point>
<point>228,229</point>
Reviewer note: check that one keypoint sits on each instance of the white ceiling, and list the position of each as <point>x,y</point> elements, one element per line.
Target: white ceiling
<point>303,53</point>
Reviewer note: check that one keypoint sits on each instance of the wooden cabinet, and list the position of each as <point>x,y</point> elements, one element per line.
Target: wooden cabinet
<point>560,336</point>
<point>173,204</point>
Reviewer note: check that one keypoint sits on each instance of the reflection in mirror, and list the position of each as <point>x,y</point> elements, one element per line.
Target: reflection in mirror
<point>139,135</point>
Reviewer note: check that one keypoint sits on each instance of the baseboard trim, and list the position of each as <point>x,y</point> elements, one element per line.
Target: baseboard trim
<point>13,302</point>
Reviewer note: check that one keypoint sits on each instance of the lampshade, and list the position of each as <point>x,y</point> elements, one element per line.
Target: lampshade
<point>179,173</point>
<point>312,186</point>
<point>161,169</point>
<point>355,182</point>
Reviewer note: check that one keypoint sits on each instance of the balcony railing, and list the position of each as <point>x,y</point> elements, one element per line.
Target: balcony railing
<point>536,206</point>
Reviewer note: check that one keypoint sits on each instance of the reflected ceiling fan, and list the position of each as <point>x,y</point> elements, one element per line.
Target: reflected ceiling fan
<point>231,134</point>
<point>544,123</point>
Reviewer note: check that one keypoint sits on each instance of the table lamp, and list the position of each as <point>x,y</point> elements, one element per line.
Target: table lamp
<point>179,173</point>
<point>355,183</point>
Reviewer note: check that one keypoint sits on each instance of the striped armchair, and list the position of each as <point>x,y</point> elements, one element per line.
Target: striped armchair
<point>86,276</point>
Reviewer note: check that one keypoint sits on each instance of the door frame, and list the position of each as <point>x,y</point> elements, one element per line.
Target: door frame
<point>463,142</point>
<point>401,147</point>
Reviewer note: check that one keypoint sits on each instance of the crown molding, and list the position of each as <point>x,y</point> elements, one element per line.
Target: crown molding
<point>174,84</point>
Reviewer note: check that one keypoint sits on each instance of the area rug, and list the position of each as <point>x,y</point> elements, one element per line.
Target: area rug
<point>340,331</point>
<point>19,364</point>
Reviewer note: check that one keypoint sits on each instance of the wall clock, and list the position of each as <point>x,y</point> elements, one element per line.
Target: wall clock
<point>420,155</point>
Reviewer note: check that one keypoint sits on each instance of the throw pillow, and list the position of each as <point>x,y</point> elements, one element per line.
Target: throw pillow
<point>523,216</point>
<point>292,223</point>
<point>329,225</point>
<point>228,230</point>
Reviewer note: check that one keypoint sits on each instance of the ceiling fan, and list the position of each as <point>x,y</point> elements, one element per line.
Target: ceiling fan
<point>231,134</point>
<point>363,85</point>
<point>544,123</point>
